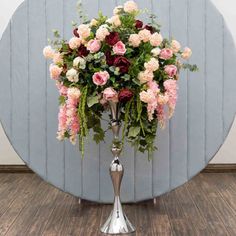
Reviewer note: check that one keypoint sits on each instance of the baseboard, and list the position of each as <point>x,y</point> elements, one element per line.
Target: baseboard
<point>15,169</point>
<point>220,168</point>
<point>211,168</point>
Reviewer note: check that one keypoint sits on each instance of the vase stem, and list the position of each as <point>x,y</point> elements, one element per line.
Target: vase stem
<point>117,223</point>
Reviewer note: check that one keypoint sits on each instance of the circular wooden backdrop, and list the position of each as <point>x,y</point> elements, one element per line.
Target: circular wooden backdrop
<point>205,110</point>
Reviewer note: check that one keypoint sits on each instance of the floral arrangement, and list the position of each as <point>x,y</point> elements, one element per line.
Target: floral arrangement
<point>117,59</point>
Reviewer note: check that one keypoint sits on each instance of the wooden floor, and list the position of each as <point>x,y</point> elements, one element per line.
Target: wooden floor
<point>204,206</point>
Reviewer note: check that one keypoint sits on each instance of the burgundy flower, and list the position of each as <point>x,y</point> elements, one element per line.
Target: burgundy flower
<point>112,38</point>
<point>122,63</point>
<point>75,32</point>
<point>125,95</point>
<point>109,58</point>
<point>138,24</point>
<point>150,28</point>
<point>82,51</point>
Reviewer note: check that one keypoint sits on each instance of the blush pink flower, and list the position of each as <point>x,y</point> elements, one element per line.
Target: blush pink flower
<point>74,43</point>
<point>62,89</point>
<point>102,32</point>
<point>187,53</point>
<point>134,40</point>
<point>171,70</point>
<point>156,39</point>
<point>114,20</point>
<point>48,52</point>
<point>55,71</point>
<point>130,6</point>
<point>152,65</point>
<point>147,96</point>
<point>153,86</point>
<point>161,115</point>
<point>58,58</point>
<point>109,94</point>
<point>175,46</point>
<point>163,99</point>
<point>101,78</point>
<point>145,76</point>
<point>94,45</point>
<point>119,48</point>
<point>84,31</point>
<point>166,53</point>
<point>144,35</point>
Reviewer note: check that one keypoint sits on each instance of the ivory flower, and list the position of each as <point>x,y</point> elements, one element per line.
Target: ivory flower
<point>114,20</point>
<point>102,32</point>
<point>156,51</point>
<point>74,42</point>
<point>79,62</point>
<point>175,46</point>
<point>72,75</point>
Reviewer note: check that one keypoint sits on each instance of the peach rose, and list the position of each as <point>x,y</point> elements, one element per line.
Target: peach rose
<point>84,31</point>
<point>55,71</point>
<point>145,76</point>
<point>109,94</point>
<point>72,75</point>
<point>147,96</point>
<point>100,78</point>
<point>74,42</point>
<point>74,93</point>
<point>187,53</point>
<point>156,39</point>
<point>58,58</point>
<point>134,40</point>
<point>152,65</point>
<point>117,10</point>
<point>175,46</point>
<point>130,6</point>
<point>156,51</point>
<point>119,48</point>
<point>166,53</point>
<point>102,32</point>
<point>94,45</point>
<point>114,20</point>
<point>144,35</point>
<point>171,70</point>
<point>48,52</point>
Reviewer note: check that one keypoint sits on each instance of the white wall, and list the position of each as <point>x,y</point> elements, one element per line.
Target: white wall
<point>227,154</point>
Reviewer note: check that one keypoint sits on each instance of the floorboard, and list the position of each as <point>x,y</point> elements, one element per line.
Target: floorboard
<point>206,205</point>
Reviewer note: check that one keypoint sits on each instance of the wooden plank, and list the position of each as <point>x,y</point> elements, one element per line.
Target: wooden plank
<point>37,87</point>
<point>196,88</point>
<point>25,191</point>
<point>214,77</point>
<point>5,88</point>
<point>20,81</point>
<point>73,163</point>
<point>178,146</point>
<point>55,149</point>
<point>161,161</point>
<point>206,209</point>
<point>143,167</point>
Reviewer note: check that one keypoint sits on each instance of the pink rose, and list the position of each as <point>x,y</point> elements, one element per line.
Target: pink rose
<point>100,78</point>
<point>171,70</point>
<point>94,45</point>
<point>109,94</point>
<point>166,53</point>
<point>119,48</point>
<point>55,71</point>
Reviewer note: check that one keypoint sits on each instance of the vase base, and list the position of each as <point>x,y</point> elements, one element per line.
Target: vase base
<point>117,223</point>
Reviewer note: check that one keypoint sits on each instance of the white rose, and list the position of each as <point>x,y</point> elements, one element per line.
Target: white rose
<point>79,62</point>
<point>130,6</point>
<point>156,51</point>
<point>72,75</point>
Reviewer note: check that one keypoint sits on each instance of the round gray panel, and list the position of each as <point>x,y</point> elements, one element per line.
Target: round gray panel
<point>205,110</point>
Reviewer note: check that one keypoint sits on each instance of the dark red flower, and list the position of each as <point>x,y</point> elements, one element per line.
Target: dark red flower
<point>122,63</point>
<point>125,95</point>
<point>138,24</point>
<point>75,32</point>
<point>109,58</point>
<point>150,28</point>
<point>112,38</point>
<point>82,51</point>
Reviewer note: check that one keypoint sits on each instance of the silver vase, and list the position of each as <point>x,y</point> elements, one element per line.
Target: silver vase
<point>117,223</point>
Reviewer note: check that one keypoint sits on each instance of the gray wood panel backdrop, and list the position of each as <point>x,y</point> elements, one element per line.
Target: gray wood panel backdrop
<point>205,110</point>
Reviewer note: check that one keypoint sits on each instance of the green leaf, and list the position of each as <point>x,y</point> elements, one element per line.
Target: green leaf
<point>92,101</point>
<point>62,100</point>
<point>134,131</point>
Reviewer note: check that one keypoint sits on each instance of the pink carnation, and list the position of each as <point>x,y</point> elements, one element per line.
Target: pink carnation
<point>100,78</point>
<point>171,70</point>
<point>119,48</point>
<point>109,94</point>
<point>94,45</point>
<point>166,54</point>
